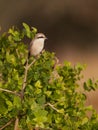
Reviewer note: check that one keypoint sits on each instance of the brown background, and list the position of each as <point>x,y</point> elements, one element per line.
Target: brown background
<point>70,25</point>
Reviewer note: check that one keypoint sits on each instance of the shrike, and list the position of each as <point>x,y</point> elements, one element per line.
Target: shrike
<point>37,44</point>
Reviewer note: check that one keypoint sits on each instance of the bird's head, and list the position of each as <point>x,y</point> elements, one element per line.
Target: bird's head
<point>40,36</point>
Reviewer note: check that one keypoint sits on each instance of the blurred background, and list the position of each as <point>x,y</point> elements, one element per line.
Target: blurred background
<point>71,28</point>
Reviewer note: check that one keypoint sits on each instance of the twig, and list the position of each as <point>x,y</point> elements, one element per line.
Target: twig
<point>31,63</point>
<point>36,128</point>
<point>25,76</point>
<point>49,104</point>
<point>9,91</point>
<point>24,81</point>
<point>34,60</point>
<point>56,59</point>
<point>16,124</point>
<point>7,124</point>
<point>26,71</point>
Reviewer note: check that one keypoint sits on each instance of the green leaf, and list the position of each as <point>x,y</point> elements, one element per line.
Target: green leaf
<point>3,108</point>
<point>15,35</point>
<point>27,30</point>
<point>61,111</point>
<point>34,30</point>
<point>9,104</point>
<point>84,121</point>
<point>11,58</point>
<point>38,84</point>
<point>17,102</point>
<point>41,100</point>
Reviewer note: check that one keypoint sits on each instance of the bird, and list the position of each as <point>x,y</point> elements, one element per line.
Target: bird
<point>37,44</point>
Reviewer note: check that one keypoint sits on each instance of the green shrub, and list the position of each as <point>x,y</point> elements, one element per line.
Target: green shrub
<point>41,94</point>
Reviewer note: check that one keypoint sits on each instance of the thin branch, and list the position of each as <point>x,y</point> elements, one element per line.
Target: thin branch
<point>31,63</point>
<point>25,76</point>
<point>9,91</point>
<point>26,71</point>
<point>16,124</point>
<point>27,66</point>
<point>52,106</point>
<point>36,128</point>
<point>37,57</point>
<point>24,81</point>
<point>7,124</point>
<point>56,60</point>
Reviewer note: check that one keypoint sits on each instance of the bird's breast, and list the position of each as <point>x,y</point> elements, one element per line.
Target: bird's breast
<point>37,47</point>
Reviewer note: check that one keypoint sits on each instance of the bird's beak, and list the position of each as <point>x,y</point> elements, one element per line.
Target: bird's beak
<point>46,38</point>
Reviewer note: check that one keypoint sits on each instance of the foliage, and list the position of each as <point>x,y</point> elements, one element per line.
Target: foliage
<point>38,93</point>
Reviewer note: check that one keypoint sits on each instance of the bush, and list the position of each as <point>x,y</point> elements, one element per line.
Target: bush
<point>41,94</point>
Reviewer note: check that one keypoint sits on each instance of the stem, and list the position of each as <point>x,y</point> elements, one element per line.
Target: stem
<point>24,81</point>
<point>34,60</point>
<point>31,63</point>
<point>16,124</point>
<point>36,128</point>
<point>52,106</point>
<point>25,77</point>
<point>9,91</point>
<point>7,124</point>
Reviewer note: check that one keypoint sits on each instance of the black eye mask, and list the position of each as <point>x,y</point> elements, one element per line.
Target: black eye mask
<point>40,37</point>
